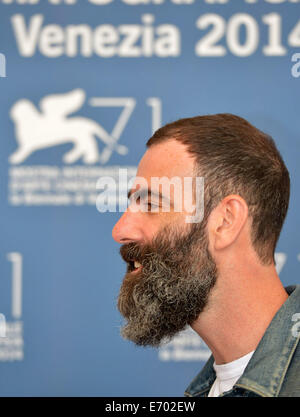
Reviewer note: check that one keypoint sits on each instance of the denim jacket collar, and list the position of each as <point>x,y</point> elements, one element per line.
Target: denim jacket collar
<point>268,365</point>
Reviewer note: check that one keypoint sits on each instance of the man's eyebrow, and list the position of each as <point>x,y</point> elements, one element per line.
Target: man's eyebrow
<point>146,192</point>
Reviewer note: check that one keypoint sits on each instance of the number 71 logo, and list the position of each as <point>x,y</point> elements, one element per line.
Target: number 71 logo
<point>128,104</point>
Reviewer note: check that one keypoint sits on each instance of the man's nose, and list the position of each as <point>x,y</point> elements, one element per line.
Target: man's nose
<point>127,228</point>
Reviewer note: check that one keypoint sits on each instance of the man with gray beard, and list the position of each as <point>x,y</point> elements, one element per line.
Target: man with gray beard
<point>217,275</point>
<point>170,290</point>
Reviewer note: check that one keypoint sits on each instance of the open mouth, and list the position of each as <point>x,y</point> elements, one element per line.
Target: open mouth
<point>134,266</point>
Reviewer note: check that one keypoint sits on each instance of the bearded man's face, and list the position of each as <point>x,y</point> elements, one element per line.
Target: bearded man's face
<point>170,288</point>
<point>170,269</point>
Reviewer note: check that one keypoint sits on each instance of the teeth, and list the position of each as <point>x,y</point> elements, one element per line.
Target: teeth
<point>137,264</point>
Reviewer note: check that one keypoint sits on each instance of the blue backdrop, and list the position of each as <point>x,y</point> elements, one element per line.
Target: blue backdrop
<point>83,86</point>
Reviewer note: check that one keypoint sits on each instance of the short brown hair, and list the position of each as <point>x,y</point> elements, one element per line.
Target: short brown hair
<point>235,157</point>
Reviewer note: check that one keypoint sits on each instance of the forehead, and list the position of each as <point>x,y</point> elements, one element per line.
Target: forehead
<point>169,159</point>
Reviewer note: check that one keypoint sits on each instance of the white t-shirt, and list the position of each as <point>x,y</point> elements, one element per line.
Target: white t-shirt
<point>228,374</point>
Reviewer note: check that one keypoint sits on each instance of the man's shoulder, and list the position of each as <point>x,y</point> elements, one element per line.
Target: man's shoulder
<point>203,381</point>
<point>291,383</point>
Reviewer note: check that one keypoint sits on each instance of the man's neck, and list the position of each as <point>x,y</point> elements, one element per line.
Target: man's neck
<point>239,312</point>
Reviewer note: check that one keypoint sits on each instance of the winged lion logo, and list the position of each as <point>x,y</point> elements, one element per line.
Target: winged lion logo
<point>38,129</point>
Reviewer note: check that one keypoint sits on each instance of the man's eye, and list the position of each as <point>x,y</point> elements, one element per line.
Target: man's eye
<point>146,204</point>
<point>131,199</point>
<point>152,206</point>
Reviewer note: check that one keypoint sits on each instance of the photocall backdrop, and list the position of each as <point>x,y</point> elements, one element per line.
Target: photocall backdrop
<point>83,86</point>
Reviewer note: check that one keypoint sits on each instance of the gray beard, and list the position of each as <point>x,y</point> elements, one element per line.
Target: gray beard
<point>173,287</point>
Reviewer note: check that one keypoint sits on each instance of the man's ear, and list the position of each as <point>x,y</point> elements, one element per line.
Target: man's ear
<point>227,220</point>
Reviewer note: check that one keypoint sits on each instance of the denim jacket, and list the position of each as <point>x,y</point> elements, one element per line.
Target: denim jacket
<point>274,368</point>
